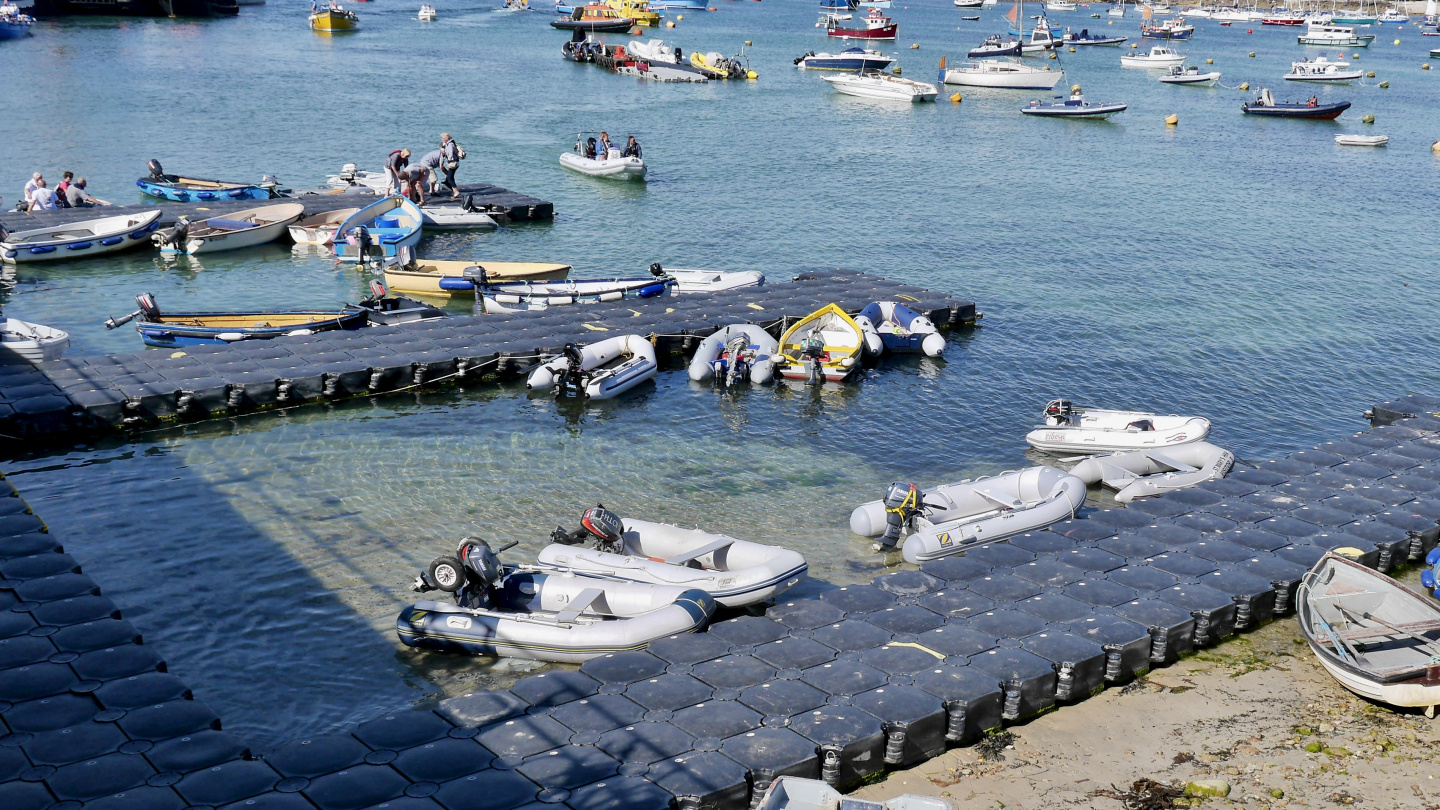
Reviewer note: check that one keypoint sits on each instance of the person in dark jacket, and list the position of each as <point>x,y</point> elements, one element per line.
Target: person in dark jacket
<point>632,148</point>
<point>397,161</point>
<point>451,154</point>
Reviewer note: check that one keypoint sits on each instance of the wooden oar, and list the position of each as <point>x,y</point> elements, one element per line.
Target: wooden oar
<point>1424,642</point>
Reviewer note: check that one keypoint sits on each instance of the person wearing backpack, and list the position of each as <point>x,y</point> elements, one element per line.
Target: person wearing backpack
<point>451,153</point>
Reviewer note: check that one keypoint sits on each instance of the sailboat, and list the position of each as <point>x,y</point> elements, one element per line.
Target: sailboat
<point>1042,36</point>
<point>1011,74</point>
<point>1360,17</point>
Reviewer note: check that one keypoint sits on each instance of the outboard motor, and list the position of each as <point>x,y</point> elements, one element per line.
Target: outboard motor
<point>473,574</point>
<point>147,307</point>
<point>271,184</point>
<point>813,350</point>
<point>737,348</point>
<point>1058,412</point>
<point>656,270</point>
<point>598,525</point>
<point>175,237</point>
<point>347,173</point>
<point>572,382</point>
<point>902,503</point>
<point>157,172</point>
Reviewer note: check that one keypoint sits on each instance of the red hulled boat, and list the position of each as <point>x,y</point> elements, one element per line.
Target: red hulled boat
<point>877,26</point>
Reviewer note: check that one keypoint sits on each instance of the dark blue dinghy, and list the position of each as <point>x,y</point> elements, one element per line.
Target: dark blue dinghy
<point>178,188</point>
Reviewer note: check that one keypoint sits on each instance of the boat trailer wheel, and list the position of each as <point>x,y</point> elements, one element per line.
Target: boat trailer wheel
<point>447,574</point>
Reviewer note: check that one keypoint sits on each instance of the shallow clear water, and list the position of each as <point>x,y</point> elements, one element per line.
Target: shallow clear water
<point>1248,270</point>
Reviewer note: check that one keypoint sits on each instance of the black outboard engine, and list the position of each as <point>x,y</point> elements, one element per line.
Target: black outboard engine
<point>739,358</point>
<point>598,525</point>
<point>902,503</point>
<point>572,382</point>
<point>813,350</point>
<point>147,307</point>
<point>175,237</point>
<point>473,574</point>
<point>157,172</point>
<point>1058,412</point>
<point>656,270</point>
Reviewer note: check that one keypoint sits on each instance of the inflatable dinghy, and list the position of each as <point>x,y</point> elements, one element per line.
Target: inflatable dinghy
<point>517,613</point>
<point>735,572</point>
<point>736,352</point>
<point>823,346</point>
<point>597,371</point>
<point>797,793</point>
<point>902,329</point>
<point>951,518</point>
<point>524,296</point>
<point>1087,430</point>
<point>1141,473</point>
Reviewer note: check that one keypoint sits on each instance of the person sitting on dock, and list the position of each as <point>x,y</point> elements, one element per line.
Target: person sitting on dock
<point>397,160</point>
<point>602,149</point>
<point>77,197</point>
<point>42,198</point>
<point>452,154</point>
<point>632,148</point>
<point>430,167</point>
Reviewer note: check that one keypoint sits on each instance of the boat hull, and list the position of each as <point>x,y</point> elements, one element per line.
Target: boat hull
<point>1095,111</point>
<point>1323,112</point>
<point>178,192</point>
<point>1168,431</point>
<point>33,342</point>
<point>197,334</point>
<point>847,64</point>
<point>330,22</point>
<point>442,279</point>
<point>612,168</point>
<point>394,223</point>
<point>1028,79</point>
<point>887,32</point>
<point>598,27</point>
<point>76,242</point>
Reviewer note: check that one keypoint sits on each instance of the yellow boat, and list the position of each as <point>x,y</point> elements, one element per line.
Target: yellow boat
<point>699,62</point>
<point>826,343</point>
<point>637,10</point>
<point>334,18</point>
<point>437,278</point>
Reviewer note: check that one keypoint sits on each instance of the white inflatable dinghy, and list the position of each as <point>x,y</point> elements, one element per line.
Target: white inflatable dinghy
<point>1087,430</point>
<point>1142,473</point>
<point>514,612</point>
<point>524,295</point>
<point>735,572</point>
<point>708,281</point>
<point>614,166</point>
<point>902,329</point>
<point>948,519</point>
<point>597,371</point>
<point>735,352</point>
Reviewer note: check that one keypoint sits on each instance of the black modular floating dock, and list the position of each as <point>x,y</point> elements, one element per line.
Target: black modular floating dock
<point>60,401</point>
<point>839,687</point>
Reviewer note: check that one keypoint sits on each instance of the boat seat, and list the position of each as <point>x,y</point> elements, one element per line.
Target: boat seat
<point>1374,633</point>
<point>578,605</point>
<point>388,235</point>
<point>1170,462</point>
<point>1003,501</point>
<point>230,224</point>
<point>696,553</point>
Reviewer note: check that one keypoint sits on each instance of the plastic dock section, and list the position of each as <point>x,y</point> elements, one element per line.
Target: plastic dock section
<point>57,401</point>
<point>863,678</point>
<point>511,205</point>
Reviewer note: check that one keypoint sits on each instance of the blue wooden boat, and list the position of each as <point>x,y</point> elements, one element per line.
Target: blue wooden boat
<point>13,24</point>
<point>179,188</point>
<point>384,226</point>
<point>158,328</point>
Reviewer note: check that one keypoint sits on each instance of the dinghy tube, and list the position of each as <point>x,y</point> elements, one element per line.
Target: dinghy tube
<point>711,360</point>
<point>1143,473</point>
<point>600,370</point>
<point>902,329</point>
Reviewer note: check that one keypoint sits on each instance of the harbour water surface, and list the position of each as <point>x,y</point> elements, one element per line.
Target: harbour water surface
<point>1243,269</point>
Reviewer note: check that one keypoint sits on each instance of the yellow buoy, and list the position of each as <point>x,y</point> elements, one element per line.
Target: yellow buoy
<point>750,74</point>
<point>748,43</point>
<point>1368,118</point>
<point>1370,75</point>
<point>896,70</point>
<point>1384,85</point>
<point>915,46</point>
<point>1397,42</point>
<point>1354,56</point>
<point>1244,85</point>
<point>1252,54</point>
<point>956,98</point>
<point>1053,56</point>
<point>1133,46</point>
<point>1072,49</point>
<point>679,16</point>
<point>669,23</point>
<point>1209,61</point>
<point>1112,22</point>
<point>1171,120</point>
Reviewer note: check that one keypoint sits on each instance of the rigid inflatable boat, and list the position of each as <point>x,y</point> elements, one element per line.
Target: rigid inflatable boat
<point>902,329</point>
<point>735,572</point>
<point>736,352</point>
<point>1086,430</point>
<point>597,371</point>
<point>511,612</point>
<point>823,346</point>
<point>950,518</point>
<point>1141,473</point>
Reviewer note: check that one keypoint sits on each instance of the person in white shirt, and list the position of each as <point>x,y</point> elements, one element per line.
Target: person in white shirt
<point>42,198</point>
<point>35,180</point>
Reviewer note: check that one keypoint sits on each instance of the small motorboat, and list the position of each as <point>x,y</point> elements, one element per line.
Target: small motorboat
<point>582,47</point>
<point>596,18</point>
<point>1142,473</point>
<point>996,45</point>
<point>1073,107</point>
<point>438,278</point>
<point>637,10</point>
<point>1374,635</point>
<point>13,23</point>
<point>849,59</point>
<point>1173,28</point>
<point>971,19</point>
<point>447,216</point>
<point>31,341</point>
<point>1265,104</point>
<point>179,188</point>
<point>351,177</point>
<point>902,329</point>
<point>1088,430</point>
<point>1322,70</point>
<point>1362,140</point>
<point>654,50</point>
<point>524,296</point>
<point>387,310</point>
<point>734,572</point>
<point>1117,10</point>
<point>717,65</point>
<point>1060,5</point>
<point>380,229</point>
<point>969,3</point>
<point>1160,57</point>
<point>797,793</point>
<point>877,27</point>
<point>611,166</point>
<point>1285,18</point>
<point>874,84</point>
<point>519,612</point>
<point>90,237</point>
<point>736,352</point>
<point>241,229</point>
<point>709,281</point>
<point>951,518</point>
<point>1087,38</point>
<point>428,14</point>
<point>823,346</point>
<point>1011,74</point>
<point>319,229</point>
<point>333,19</point>
<point>1191,75</point>
<point>158,328</point>
<point>524,5</point>
<point>1328,35</point>
<point>602,370</point>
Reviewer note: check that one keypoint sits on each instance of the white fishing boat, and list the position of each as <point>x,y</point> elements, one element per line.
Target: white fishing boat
<point>1362,140</point>
<point>874,84</point>
<point>1069,428</point>
<point>1006,73</point>
<point>1117,10</point>
<point>1144,473</point>
<point>31,341</point>
<point>1375,636</point>
<point>1160,57</point>
<point>1330,35</point>
<point>1060,5</point>
<point>735,572</point>
<point>319,229</point>
<point>241,229</point>
<point>454,218</point>
<point>90,237</point>
<point>1393,15</point>
<point>427,13</point>
<point>611,165</point>
<point>601,370</point>
<point>1322,71</point>
<point>949,519</point>
<point>1191,75</point>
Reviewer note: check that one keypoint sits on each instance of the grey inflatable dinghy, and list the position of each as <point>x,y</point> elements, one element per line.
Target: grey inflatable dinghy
<point>795,793</point>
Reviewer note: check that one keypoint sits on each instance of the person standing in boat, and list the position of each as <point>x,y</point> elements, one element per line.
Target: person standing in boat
<point>632,148</point>
<point>398,160</point>
<point>602,149</point>
<point>451,155</point>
